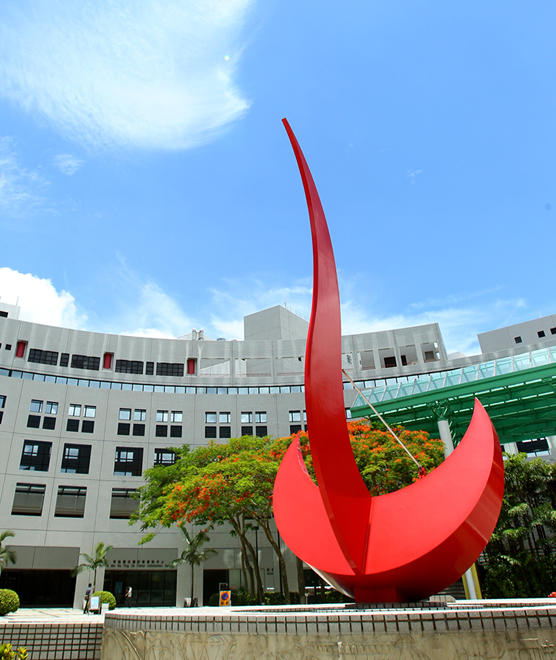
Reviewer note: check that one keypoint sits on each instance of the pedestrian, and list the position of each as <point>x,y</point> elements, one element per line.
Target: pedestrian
<point>87,599</point>
<point>128,594</point>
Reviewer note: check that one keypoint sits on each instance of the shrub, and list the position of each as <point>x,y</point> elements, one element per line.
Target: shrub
<point>106,597</point>
<point>9,601</point>
<point>7,653</point>
<point>214,600</point>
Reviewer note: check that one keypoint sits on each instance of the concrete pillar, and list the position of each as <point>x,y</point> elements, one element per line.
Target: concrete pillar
<point>183,584</point>
<point>446,436</point>
<point>551,439</point>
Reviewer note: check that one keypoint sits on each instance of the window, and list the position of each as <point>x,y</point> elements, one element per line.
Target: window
<point>33,422</point>
<point>49,423</point>
<point>295,428</point>
<point>246,430</point>
<point>518,340</point>
<point>225,431</point>
<point>139,429</point>
<point>553,331</point>
<point>123,429</point>
<point>210,418</point>
<point>139,415</point>
<point>165,457</point>
<point>76,459</point>
<point>261,431</point>
<point>129,367</point>
<point>260,417</point>
<point>246,418</point>
<point>51,408</point>
<point>74,410</point>
<point>2,400</point>
<point>210,431</point>
<point>70,502</point>
<point>36,406</point>
<point>169,369</point>
<point>161,431</point>
<point>28,499</point>
<point>541,334</point>
<point>123,504</point>
<point>390,361</point>
<point>177,416</point>
<point>161,415</point>
<point>64,359</point>
<point>8,347</point>
<point>129,462</point>
<point>90,411</point>
<point>43,357</point>
<point>4,315</point>
<point>295,415</point>
<point>35,456</point>
<point>85,362</point>
<point>149,369</point>
<point>175,431</point>
<point>88,426</point>
<point>348,413</point>
<point>72,425</point>
<point>224,418</point>
<point>125,413</point>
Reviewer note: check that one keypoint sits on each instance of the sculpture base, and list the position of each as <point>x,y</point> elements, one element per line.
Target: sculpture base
<point>506,630</point>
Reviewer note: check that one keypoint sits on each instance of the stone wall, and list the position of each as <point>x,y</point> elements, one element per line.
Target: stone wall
<point>525,633</point>
<point>54,640</point>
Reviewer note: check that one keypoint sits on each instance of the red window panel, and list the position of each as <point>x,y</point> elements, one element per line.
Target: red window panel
<point>191,366</point>
<point>107,363</point>
<point>20,350</point>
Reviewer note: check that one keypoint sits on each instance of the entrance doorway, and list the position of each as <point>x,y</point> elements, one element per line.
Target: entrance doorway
<point>149,588</point>
<point>212,579</point>
<point>40,588</point>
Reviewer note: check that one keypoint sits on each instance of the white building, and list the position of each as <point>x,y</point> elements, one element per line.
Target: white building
<point>83,414</point>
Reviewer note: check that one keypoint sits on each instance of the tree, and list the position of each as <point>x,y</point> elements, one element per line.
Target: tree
<point>100,558</point>
<point>7,555</point>
<point>193,555</point>
<point>519,560</point>
<point>232,483</point>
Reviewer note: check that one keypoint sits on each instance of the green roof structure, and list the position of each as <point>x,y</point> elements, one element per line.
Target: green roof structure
<point>518,392</point>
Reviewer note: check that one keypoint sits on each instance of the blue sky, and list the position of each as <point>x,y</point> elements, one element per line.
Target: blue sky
<point>147,185</point>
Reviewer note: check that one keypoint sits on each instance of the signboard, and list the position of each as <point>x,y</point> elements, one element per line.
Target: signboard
<point>225,598</point>
<point>94,604</point>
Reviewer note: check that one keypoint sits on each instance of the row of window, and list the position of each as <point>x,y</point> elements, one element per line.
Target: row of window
<point>76,458</point>
<point>540,335</point>
<point>70,501</point>
<point>140,415</point>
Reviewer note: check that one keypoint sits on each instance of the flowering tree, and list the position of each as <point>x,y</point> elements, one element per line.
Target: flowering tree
<point>232,483</point>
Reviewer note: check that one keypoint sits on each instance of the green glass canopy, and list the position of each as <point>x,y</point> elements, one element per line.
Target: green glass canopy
<point>518,392</point>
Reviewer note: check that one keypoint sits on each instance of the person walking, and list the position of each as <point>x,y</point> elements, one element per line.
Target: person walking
<point>87,599</point>
<point>128,595</point>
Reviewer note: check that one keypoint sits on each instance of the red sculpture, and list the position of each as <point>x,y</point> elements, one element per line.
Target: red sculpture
<point>399,547</point>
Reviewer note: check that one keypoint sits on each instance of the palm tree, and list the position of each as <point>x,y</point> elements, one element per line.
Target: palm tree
<point>100,558</point>
<point>193,555</point>
<point>7,555</point>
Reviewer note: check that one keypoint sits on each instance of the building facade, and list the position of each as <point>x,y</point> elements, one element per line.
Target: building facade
<point>83,414</point>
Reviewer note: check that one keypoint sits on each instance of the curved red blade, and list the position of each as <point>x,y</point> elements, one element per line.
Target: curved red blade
<point>396,547</point>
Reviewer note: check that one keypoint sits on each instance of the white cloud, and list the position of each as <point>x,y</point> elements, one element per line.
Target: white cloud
<point>19,188</point>
<point>67,163</point>
<point>148,74</point>
<point>154,314</point>
<point>39,300</point>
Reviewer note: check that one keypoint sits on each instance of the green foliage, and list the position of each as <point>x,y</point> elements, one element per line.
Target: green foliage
<point>9,601</point>
<point>7,653</point>
<point>91,563</point>
<point>106,597</point>
<point>193,555</point>
<point>7,555</point>
<point>519,560</point>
